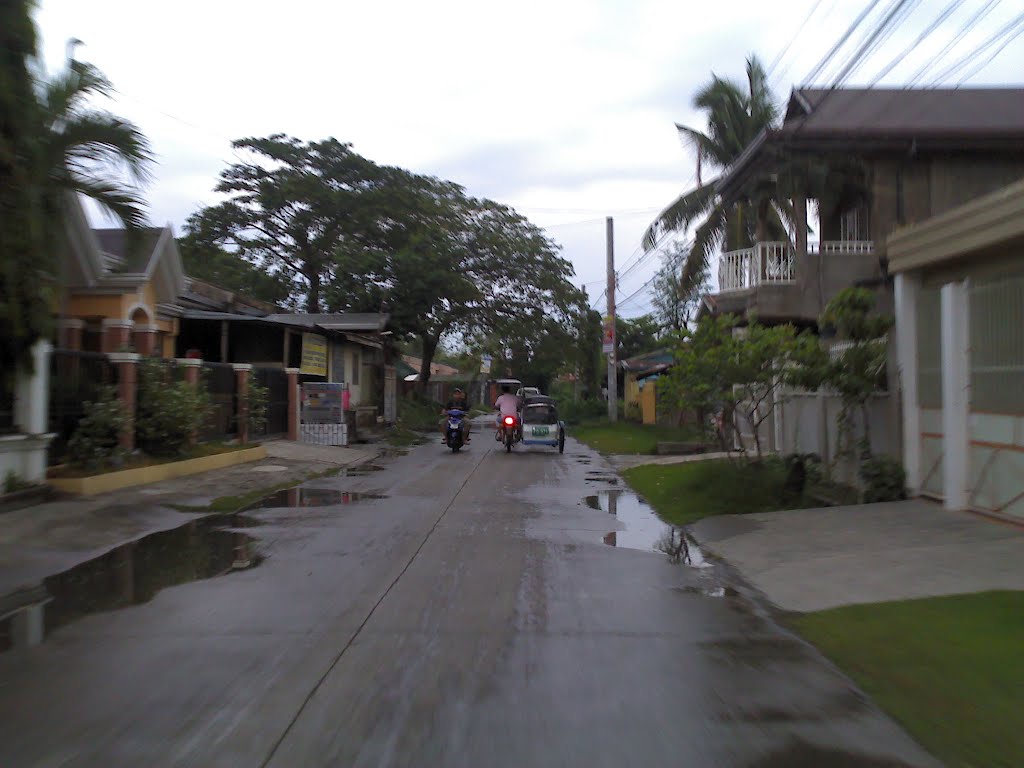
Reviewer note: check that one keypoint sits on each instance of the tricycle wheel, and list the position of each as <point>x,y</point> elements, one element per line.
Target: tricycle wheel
<point>561,441</point>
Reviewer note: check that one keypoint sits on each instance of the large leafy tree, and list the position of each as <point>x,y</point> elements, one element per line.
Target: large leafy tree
<point>736,114</point>
<point>673,297</point>
<point>304,210</point>
<point>228,270</point>
<point>637,336</point>
<point>24,311</point>
<point>451,264</point>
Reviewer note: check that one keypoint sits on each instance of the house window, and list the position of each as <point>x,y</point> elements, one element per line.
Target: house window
<point>356,363</point>
<point>337,363</point>
<point>853,225</point>
<point>996,328</point>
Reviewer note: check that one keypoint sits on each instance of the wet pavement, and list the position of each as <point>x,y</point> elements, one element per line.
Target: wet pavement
<point>448,609</point>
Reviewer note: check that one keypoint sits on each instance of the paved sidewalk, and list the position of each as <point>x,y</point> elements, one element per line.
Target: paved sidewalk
<point>623,461</point>
<point>812,559</point>
<point>38,541</point>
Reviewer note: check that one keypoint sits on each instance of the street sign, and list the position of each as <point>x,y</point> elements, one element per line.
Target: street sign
<point>608,335</point>
<point>314,355</point>
<point>485,364</point>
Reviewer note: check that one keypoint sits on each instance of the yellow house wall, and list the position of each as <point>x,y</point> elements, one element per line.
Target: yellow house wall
<point>631,389</point>
<point>649,403</point>
<point>89,306</point>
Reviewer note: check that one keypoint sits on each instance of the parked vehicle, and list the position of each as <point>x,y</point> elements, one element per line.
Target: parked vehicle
<point>453,435</point>
<point>540,423</point>
<point>525,392</point>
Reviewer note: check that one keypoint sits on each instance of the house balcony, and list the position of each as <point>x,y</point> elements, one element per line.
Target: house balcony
<point>772,281</point>
<point>775,263</point>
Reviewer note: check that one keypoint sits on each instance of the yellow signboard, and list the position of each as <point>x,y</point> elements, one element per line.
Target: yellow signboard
<point>314,355</point>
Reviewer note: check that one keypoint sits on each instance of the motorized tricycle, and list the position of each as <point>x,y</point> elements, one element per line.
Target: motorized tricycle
<point>540,423</point>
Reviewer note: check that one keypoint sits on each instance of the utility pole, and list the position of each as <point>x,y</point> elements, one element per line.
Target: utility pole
<point>611,349</point>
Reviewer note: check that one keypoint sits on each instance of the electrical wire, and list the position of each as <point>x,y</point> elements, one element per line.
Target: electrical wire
<point>945,14</point>
<point>988,61</point>
<point>970,56</point>
<point>786,47</point>
<point>827,58</point>
<point>898,11</point>
<point>971,23</point>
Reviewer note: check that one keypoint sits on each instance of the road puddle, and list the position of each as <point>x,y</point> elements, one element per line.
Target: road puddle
<point>360,471</point>
<point>131,574</point>
<point>641,528</point>
<point>295,498</point>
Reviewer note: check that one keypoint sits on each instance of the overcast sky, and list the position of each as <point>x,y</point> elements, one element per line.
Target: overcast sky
<point>562,109</point>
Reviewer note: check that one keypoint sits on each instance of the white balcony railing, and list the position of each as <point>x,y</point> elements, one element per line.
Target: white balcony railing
<point>765,263</point>
<point>775,263</point>
<point>829,247</point>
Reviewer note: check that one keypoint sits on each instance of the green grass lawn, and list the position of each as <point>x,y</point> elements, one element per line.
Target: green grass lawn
<point>684,493</point>
<point>628,436</point>
<point>949,669</point>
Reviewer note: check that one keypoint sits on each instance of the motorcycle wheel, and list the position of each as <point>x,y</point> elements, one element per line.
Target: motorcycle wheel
<point>455,448</point>
<point>508,442</point>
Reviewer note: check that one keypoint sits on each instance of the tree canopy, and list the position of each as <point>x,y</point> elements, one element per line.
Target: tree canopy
<point>361,237</point>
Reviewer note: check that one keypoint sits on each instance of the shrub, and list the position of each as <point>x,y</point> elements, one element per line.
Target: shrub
<point>95,441</point>
<point>884,479</point>
<point>259,397</point>
<point>575,411</point>
<point>169,412</point>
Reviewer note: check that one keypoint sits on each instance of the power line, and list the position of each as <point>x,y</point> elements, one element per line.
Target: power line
<point>966,59</point>
<point>898,10</point>
<point>841,42</point>
<point>786,47</point>
<point>988,61</point>
<point>946,13</point>
<point>824,18</point>
<point>971,23</point>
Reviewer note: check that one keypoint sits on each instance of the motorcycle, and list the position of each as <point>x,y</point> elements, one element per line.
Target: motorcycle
<point>510,432</point>
<point>453,436</point>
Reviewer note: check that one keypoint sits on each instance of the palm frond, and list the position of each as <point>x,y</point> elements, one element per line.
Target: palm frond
<point>706,240</point>
<point>681,213</point>
<point>117,200</point>
<point>92,138</point>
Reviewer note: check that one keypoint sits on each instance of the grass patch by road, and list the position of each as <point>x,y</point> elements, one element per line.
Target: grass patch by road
<point>684,493</point>
<point>628,436</point>
<point>949,669</point>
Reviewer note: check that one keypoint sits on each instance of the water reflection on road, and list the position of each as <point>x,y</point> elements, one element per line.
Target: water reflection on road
<point>639,527</point>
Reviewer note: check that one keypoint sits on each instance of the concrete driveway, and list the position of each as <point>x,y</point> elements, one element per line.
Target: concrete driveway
<point>812,559</point>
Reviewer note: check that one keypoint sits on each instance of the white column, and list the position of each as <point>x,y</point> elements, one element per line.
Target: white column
<point>32,391</point>
<point>956,396</point>
<point>908,289</point>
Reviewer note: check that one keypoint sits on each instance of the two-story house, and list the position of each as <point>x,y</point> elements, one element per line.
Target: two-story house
<point>867,162</point>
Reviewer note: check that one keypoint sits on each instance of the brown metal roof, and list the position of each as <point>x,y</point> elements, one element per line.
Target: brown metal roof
<point>906,113</point>
<point>134,252</point>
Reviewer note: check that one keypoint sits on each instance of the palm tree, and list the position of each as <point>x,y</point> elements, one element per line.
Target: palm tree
<point>736,115</point>
<point>88,151</point>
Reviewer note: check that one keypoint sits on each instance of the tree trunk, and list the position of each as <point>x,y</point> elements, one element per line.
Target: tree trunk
<point>428,346</point>
<point>313,292</point>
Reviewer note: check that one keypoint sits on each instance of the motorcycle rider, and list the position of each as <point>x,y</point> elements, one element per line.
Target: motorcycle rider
<point>507,405</point>
<point>458,401</point>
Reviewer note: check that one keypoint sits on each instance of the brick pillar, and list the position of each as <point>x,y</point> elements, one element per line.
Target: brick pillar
<point>192,367</point>
<point>293,403</point>
<point>70,334</point>
<point>242,372</point>
<point>117,334</point>
<point>127,370</point>
<point>144,338</point>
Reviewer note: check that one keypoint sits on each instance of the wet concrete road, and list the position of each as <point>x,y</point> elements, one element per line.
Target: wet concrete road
<point>456,610</point>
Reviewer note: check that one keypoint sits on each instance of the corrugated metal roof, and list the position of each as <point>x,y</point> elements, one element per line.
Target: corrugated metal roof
<point>891,113</point>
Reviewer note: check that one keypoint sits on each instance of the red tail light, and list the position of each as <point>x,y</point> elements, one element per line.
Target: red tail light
<point>510,420</point>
